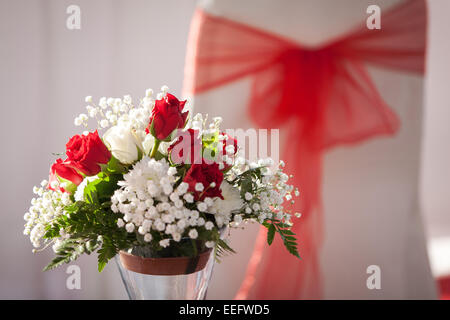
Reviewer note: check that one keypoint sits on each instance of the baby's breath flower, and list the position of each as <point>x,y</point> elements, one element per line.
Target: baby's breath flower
<point>129,227</point>
<point>193,234</point>
<point>148,237</point>
<point>199,187</point>
<point>47,206</point>
<point>164,243</point>
<point>209,225</point>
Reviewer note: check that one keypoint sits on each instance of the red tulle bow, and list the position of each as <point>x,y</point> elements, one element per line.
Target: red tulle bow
<point>323,97</point>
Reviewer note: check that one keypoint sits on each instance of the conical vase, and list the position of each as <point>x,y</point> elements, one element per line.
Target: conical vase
<point>173,278</point>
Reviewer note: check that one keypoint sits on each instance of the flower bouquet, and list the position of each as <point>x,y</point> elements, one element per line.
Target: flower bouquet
<point>158,191</point>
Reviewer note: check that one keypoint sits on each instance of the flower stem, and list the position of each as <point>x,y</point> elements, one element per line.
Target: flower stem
<point>155,148</point>
<point>194,246</point>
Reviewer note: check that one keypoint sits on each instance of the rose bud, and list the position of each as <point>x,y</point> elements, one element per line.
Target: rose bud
<point>187,148</point>
<point>167,116</point>
<point>62,172</point>
<point>87,152</point>
<point>204,180</point>
<point>124,143</point>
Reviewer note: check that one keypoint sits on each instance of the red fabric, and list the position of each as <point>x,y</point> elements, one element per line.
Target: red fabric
<point>444,287</point>
<point>324,97</point>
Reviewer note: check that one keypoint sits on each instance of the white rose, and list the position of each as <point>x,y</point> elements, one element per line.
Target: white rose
<point>123,143</point>
<point>148,143</point>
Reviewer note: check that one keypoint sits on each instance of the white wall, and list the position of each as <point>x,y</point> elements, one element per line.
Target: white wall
<point>436,158</point>
<point>125,47</point>
<point>436,151</point>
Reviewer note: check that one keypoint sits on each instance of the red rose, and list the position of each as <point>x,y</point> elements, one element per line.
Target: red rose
<point>167,115</point>
<point>61,171</point>
<point>205,174</point>
<point>187,143</point>
<point>86,152</point>
<point>229,141</point>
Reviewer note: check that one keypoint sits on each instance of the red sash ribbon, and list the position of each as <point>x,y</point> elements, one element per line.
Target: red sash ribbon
<point>324,97</point>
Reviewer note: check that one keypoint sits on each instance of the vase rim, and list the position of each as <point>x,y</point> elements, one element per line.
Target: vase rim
<point>165,265</point>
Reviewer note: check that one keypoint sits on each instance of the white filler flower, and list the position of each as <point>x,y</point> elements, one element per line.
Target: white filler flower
<point>231,201</point>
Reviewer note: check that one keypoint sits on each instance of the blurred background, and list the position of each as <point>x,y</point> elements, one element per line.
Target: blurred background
<point>125,47</point>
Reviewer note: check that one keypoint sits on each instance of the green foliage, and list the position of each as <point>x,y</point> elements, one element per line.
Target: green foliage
<point>69,250</point>
<point>270,234</point>
<point>283,229</point>
<point>114,166</point>
<point>158,155</point>
<point>91,226</point>
<point>210,143</point>
<point>246,180</point>
<point>106,252</point>
<point>221,249</point>
<point>102,188</point>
